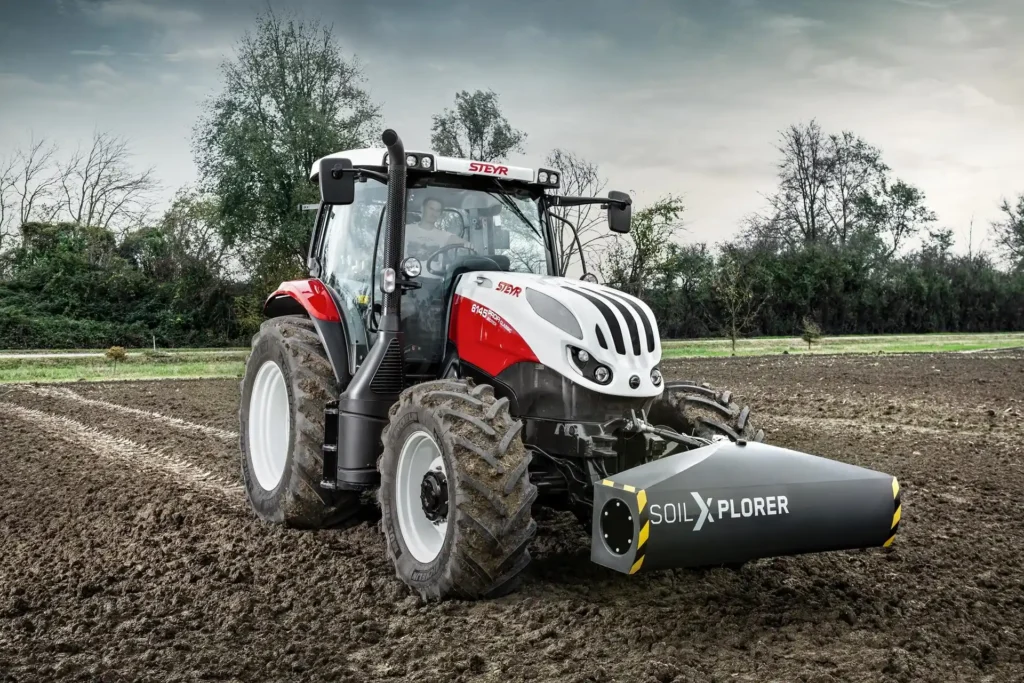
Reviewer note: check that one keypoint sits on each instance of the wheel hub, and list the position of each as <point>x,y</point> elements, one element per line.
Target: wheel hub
<point>434,495</point>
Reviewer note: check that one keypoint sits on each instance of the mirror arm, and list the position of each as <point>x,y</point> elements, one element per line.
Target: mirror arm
<point>561,200</point>
<point>367,173</point>
<point>576,237</point>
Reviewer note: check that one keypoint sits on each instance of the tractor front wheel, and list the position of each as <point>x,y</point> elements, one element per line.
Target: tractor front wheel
<point>287,384</point>
<point>702,411</point>
<point>455,494</point>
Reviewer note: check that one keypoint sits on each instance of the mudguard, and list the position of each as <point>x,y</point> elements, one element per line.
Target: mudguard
<point>315,299</point>
<point>727,503</point>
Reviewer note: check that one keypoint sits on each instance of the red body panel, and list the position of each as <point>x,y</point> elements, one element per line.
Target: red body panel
<point>313,296</point>
<point>484,339</point>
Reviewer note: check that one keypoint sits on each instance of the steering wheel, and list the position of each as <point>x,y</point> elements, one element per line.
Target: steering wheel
<point>443,250</point>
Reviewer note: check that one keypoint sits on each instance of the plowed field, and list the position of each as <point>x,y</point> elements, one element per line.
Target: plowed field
<point>128,552</point>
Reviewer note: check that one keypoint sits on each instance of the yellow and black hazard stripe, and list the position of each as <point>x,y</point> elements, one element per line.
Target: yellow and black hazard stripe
<point>897,511</point>
<point>645,524</point>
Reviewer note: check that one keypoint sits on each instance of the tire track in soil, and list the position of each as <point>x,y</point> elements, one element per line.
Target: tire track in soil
<point>211,402</point>
<point>64,392</point>
<point>145,459</point>
<point>108,573</point>
<point>190,442</point>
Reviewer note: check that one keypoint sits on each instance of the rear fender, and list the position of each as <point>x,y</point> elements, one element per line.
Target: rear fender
<point>316,300</point>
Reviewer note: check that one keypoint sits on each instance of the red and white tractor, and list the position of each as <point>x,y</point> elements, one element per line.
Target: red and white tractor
<point>437,356</point>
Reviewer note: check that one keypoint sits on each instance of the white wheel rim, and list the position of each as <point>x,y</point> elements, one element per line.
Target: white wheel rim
<point>269,425</point>
<point>423,537</point>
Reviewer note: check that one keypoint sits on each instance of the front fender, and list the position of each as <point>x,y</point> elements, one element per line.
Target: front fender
<point>315,299</point>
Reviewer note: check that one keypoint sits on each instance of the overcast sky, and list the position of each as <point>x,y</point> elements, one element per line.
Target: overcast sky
<point>681,96</point>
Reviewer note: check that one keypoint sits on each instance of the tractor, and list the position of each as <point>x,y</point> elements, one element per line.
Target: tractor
<point>437,359</point>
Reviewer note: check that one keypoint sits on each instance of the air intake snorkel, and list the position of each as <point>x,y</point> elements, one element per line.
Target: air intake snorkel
<point>363,408</point>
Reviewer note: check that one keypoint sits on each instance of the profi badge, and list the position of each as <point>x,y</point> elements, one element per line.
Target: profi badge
<point>759,506</point>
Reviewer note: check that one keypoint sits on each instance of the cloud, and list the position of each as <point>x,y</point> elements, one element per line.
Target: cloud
<point>198,54</point>
<point>790,25</point>
<point>930,4</point>
<point>99,71</point>
<point>103,51</point>
<point>117,11</point>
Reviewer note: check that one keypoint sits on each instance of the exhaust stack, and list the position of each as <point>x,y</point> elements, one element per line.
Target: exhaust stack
<point>731,502</point>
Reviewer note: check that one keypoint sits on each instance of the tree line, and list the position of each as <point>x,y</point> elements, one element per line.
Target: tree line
<point>84,261</point>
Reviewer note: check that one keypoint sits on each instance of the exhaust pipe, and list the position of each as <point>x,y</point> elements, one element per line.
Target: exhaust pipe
<point>727,503</point>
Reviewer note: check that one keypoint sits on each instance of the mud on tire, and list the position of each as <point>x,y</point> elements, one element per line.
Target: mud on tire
<point>297,500</point>
<point>699,410</point>
<point>490,526</point>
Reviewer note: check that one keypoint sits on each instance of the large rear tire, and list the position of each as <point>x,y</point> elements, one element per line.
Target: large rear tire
<point>455,494</point>
<point>702,411</point>
<point>287,384</point>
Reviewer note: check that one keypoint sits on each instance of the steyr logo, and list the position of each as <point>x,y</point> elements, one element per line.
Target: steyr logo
<point>480,167</point>
<point>506,288</point>
<point>708,510</point>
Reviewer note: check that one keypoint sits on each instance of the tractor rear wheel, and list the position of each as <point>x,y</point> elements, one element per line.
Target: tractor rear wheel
<point>455,494</point>
<point>702,411</point>
<point>287,384</point>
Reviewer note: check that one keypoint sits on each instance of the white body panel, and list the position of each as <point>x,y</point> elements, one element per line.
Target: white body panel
<point>497,291</point>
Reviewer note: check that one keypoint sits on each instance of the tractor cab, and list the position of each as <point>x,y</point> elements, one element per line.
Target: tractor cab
<point>460,217</point>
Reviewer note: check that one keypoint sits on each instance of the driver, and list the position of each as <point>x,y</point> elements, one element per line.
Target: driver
<point>425,237</point>
<point>423,317</point>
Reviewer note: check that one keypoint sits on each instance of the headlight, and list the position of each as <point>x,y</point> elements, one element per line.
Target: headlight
<point>554,312</point>
<point>411,267</point>
<point>656,377</point>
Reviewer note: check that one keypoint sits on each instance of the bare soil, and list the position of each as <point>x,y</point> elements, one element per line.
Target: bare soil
<point>128,552</point>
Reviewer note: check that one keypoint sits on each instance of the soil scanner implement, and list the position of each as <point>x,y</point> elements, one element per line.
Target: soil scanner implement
<point>437,356</point>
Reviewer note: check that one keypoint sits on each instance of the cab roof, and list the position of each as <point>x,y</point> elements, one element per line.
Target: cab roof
<point>374,156</point>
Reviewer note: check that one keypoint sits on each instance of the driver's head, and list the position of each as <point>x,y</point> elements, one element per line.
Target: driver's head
<point>432,208</point>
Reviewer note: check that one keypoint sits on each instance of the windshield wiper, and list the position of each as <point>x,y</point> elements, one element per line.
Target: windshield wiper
<point>504,199</point>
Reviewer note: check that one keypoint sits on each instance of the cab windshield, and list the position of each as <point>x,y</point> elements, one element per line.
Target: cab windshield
<point>446,225</point>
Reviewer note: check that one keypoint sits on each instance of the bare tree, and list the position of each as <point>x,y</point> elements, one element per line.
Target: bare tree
<point>733,290</point>
<point>579,178</point>
<point>7,183</point>
<point>854,169</point>
<point>798,207</point>
<point>33,185</point>
<point>99,187</point>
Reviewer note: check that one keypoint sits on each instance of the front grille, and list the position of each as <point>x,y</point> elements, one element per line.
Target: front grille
<point>648,329</point>
<point>609,317</point>
<point>601,300</point>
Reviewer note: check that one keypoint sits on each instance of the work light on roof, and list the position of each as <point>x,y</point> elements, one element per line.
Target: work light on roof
<point>547,177</point>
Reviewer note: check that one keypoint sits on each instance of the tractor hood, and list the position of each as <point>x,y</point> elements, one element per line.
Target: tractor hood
<point>503,318</point>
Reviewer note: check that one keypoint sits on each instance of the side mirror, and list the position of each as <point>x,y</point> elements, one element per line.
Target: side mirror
<point>337,181</point>
<point>620,217</point>
<point>502,239</point>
